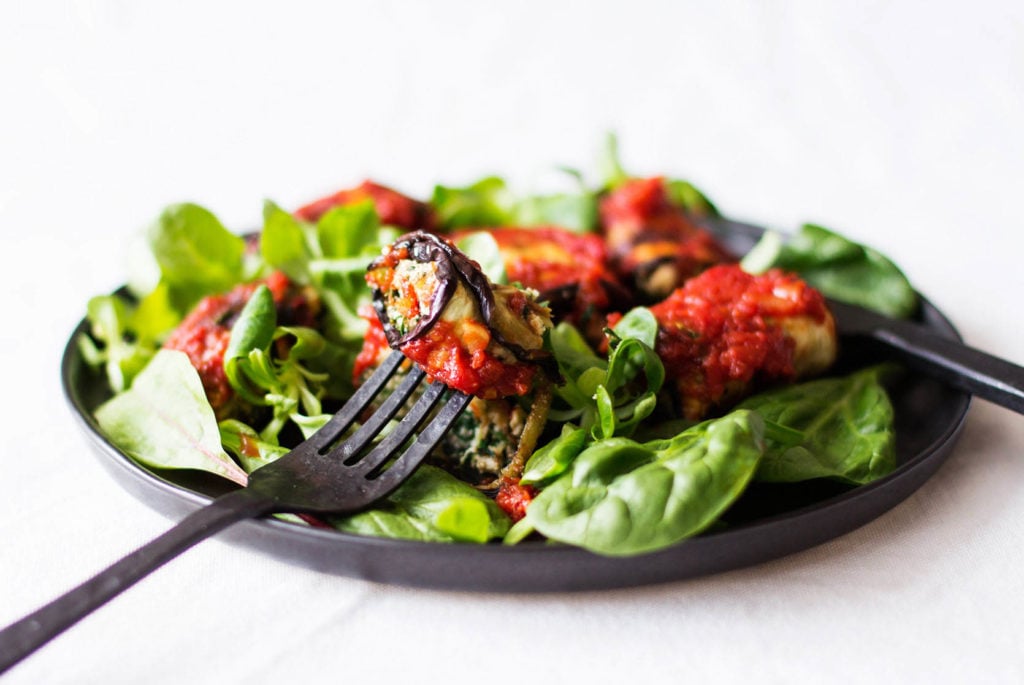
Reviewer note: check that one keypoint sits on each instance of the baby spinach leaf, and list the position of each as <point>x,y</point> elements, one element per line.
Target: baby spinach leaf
<point>196,254</point>
<point>551,460</point>
<point>431,506</point>
<point>254,328</point>
<point>838,267</point>
<point>847,427</point>
<point>621,497</point>
<point>164,420</point>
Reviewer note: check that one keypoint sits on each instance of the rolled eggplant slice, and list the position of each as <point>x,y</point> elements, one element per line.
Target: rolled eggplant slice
<point>569,271</point>
<point>727,333</point>
<point>441,311</point>
<point>654,245</point>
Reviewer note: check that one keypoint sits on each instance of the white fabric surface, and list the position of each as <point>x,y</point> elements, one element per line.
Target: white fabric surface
<point>899,124</point>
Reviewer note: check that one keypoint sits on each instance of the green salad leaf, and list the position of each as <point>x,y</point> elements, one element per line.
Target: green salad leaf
<point>609,396</point>
<point>122,358</point>
<point>483,248</point>
<point>331,256</point>
<point>621,497</point>
<point>838,267</point>
<point>164,421</point>
<point>431,505</point>
<point>484,203</point>
<point>489,202</point>
<point>846,426</point>
<point>197,256</point>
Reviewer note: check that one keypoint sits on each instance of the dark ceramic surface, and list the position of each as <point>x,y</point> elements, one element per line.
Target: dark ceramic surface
<point>768,522</point>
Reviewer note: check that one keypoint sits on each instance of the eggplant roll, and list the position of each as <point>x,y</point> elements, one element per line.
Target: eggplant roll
<point>654,246</point>
<point>441,311</point>
<point>393,208</point>
<point>727,333</point>
<point>569,271</point>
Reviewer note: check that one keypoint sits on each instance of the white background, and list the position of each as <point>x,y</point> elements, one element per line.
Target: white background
<point>900,124</point>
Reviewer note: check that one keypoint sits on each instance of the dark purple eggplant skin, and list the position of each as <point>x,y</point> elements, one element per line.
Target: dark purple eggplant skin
<point>452,266</point>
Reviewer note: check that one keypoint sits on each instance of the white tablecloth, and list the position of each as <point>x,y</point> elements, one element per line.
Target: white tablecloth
<point>899,124</point>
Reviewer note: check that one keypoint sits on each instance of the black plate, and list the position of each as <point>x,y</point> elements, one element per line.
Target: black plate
<point>769,521</point>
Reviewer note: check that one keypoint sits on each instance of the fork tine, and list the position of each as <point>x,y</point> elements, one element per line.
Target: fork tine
<point>391,444</point>
<point>384,413</point>
<point>356,405</point>
<point>425,442</point>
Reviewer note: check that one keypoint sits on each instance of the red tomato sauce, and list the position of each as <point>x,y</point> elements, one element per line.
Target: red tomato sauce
<point>375,345</point>
<point>462,362</point>
<point>719,328</point>
<point>514,498</point>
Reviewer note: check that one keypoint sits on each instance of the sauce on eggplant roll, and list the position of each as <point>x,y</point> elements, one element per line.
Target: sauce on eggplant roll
<point>726,333</point>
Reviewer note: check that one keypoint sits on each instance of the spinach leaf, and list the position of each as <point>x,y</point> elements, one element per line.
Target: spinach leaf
<point>551,460</point>
<point>838,267</point>
<point>431,505</point>
<point>164,420</point>
<point>847,428</point>
<point>621,497</point>
<point>196,254</point>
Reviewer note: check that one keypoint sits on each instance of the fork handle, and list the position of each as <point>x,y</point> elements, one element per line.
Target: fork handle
<point>23,637</point>
<point>962,367</point>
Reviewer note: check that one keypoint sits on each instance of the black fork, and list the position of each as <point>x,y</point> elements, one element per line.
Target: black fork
<point>318,476</point>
